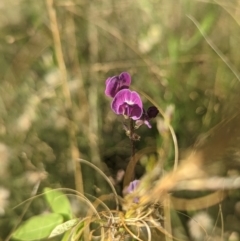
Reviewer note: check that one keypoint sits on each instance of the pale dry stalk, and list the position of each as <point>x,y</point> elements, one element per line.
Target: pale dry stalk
<point>66,93</point>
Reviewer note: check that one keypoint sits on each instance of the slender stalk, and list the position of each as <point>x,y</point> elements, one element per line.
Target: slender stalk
<point>131,128</point>
<point>93,105</point>
<point>93,101</point>
<point>66,93</point>
<point>174,137</point>
<point>130,170</point>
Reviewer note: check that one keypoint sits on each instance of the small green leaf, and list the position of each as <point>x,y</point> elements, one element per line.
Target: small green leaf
<point>67,236</point>
<point>37,227</point>
<point>58,202</point>
<point>75,234</point>
<point>78,231</point>
<point>62,228</point>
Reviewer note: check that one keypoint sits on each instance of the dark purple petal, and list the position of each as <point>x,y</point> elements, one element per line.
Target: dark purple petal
<point>112,86</point>
<point>136,112</point>
<point>146,117</point>
<point>127,103</point>
<point>116,83</point>
<point>125,77</point>
<point>152,112</point>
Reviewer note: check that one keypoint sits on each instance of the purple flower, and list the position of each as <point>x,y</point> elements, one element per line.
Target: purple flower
<point>147,116</point>
<point>152,112</point>
<point>131,188</point>
<point>116,83</point>
<point>128,103</point>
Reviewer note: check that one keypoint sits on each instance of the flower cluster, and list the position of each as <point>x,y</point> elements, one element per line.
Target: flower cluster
<point>126,102</point>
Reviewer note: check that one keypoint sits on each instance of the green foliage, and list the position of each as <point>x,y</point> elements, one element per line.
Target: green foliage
<point>48,225</point>
<point>62,228</point>
<point>38,227</point>
<point>58,202</point>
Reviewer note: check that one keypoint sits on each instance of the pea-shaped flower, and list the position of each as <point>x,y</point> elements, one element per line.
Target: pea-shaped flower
<point>128,103</point>
<point>147,116</point>
<point>116,83</point>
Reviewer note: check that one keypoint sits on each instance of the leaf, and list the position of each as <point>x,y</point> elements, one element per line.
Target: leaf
<point>38,227</point>
<point>67,236</point>
<point>58,202</point>
<point>78,231</point>
<point>62,228</point>
<point>74,234</point>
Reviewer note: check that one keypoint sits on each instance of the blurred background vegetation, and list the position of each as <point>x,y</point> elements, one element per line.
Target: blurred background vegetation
<point>54,59</point>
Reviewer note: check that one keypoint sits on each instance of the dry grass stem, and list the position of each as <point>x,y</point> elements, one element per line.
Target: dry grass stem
<point>66,93</point>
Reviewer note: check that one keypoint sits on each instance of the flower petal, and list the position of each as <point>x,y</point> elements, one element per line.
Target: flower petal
<point>112,86</point>
<point>152,112</point>
<point>108,80</point>
<point>135,112</point>
<point>116,83</point>
<point>142,121</point>
<point>147,123</point>
<point>133,186</point>
<point>127,103</point>
<point>146,117</point>
<point>125,77</point>
<point>118,101</point>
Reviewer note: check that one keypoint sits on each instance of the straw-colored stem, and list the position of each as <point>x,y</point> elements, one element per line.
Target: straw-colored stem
<point>93,100</point>
<point>167,215</point>
<point>66,93</point>
<point>174,138</point>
